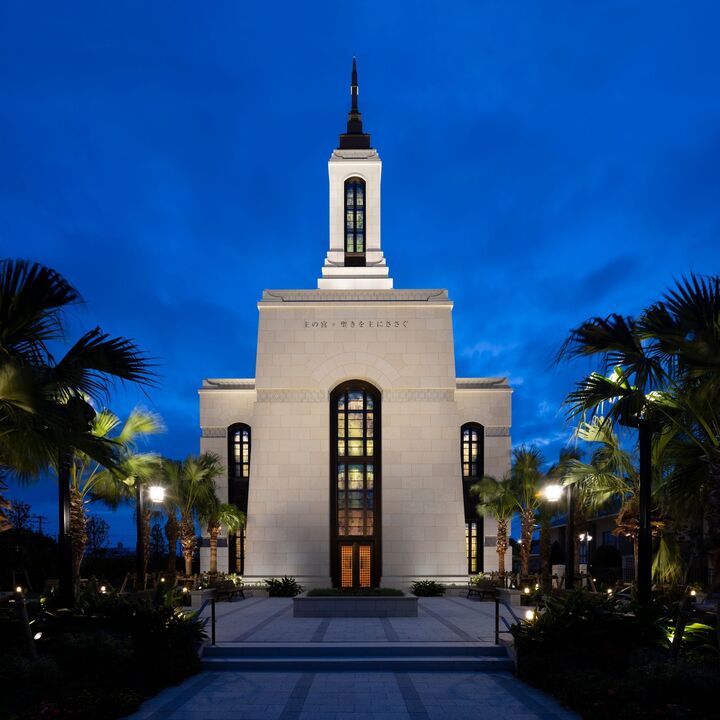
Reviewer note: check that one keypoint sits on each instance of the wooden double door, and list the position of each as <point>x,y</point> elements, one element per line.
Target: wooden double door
<point>356,564</point>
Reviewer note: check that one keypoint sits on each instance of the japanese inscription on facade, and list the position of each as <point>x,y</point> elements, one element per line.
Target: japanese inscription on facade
<point>324,324</point>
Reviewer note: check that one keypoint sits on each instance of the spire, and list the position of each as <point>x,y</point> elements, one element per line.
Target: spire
<point>354,138</point>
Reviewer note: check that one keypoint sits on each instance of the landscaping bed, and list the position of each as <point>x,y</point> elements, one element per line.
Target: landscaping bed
<point>610,660</point>
<point>344,604</point>
<point>359,592</point>
<point>101,660</point>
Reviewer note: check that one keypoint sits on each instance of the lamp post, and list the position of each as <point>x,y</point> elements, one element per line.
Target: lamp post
<point>553,493</point>
<point>586,537</point>
<point>156,493</point>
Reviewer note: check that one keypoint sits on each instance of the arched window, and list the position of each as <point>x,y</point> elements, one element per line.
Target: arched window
<point>472,461</point>
<point>239,445</point>
<point>355,485</point>
<point>355,222</point>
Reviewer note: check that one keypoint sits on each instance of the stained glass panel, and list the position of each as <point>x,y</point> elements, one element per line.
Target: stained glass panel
<point>355,477</point>
<point>355,447</point>
<point>355,400</point>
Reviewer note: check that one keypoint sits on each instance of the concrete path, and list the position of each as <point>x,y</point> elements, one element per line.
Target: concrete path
<point>450,619</point>
<point>353,695</point>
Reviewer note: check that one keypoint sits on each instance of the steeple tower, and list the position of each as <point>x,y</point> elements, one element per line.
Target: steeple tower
<point>355,260</point>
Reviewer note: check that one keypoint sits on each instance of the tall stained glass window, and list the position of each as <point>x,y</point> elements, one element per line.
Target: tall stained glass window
<point>354,418</point>
<point>355,221</point>
<point>472,450</point>
<point>472,460</point>
<point>238,487</point>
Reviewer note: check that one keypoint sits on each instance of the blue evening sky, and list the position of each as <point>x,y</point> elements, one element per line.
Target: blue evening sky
<point>544,161</point>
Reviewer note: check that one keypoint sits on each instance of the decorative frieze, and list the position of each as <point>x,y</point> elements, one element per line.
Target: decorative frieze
<point>497,431</point>
<point>297,396</point>
<point>419,395</point>
<point>289,296</point>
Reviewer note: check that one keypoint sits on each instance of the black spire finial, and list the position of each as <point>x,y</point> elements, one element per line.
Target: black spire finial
<point>354,87</point>
<point>354,138</point>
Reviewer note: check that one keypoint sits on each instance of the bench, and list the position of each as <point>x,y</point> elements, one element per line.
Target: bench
<point>481,588</point>
<point>228,589</point>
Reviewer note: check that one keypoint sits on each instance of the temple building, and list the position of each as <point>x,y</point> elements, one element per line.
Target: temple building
<point>353,448</point>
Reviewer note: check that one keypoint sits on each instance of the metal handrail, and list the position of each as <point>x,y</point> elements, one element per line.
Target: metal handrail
<point>498,601</point>
<point>211,601</point>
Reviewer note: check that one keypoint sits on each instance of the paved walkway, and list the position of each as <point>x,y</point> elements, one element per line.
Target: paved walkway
<point>231,695</point>
<point>451,620</point>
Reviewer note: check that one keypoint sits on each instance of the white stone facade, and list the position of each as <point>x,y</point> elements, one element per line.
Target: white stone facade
<point>355,327</point>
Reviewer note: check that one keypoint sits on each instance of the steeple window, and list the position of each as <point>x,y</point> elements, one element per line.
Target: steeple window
<point>355,222</point>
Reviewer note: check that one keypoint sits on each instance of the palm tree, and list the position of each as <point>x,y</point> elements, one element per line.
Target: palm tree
<point>525,479</point>
<point>192,484</point>
<point>612,475</point>
<point>171,509</point>
<point>496,499</point>
<point>217,515</point>
<point>92,481</point>
<point>580,509</point>
<point>45,408</point>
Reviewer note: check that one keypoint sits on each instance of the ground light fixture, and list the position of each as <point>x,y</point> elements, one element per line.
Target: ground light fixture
<point>529,615</point>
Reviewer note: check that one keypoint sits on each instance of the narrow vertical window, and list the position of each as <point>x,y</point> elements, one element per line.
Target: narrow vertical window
<point>239,446</point>
<point>472,463</point>
<point>355,222</point>
<point>355,503</point>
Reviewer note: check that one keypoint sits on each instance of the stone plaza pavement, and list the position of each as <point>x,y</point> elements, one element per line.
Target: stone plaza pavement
<point>301,694</point>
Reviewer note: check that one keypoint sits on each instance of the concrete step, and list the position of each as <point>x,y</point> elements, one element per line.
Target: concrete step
<point>351,650</point>
<point>360,664</point>
<point>318,657</point>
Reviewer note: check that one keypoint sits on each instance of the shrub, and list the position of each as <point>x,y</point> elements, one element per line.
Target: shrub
<point>427,588</point>
<point>102,659</point>
<point>283,587</point>
<point>608,658</point>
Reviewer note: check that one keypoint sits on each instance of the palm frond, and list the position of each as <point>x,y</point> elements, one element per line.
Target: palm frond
<point>96,360</point>
<point>32,297</point>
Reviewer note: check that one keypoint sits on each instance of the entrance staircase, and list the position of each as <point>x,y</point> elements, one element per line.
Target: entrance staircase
<point>364,657</point>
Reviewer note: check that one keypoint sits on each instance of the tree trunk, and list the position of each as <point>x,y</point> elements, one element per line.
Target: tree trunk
<point>502,545</point>
<point>635,557</point>
<point>527,525</point>
<point>171,533</point>
<point>187,541</point>
<point>78,532</point>
<point>213,532</point>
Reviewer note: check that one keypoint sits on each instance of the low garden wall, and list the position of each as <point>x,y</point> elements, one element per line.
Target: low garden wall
<point>354,606</point>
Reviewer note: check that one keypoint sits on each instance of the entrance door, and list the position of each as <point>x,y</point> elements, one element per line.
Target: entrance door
<point>356,565</point>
